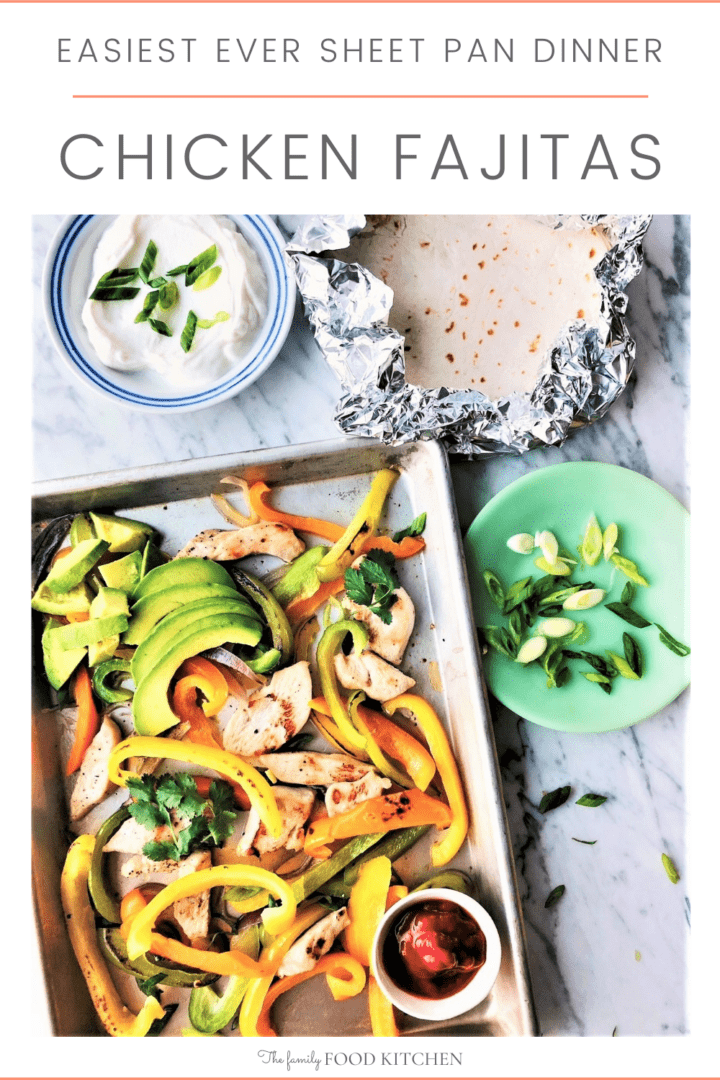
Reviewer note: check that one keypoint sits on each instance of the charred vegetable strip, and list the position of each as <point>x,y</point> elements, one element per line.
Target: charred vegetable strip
<point>345,977</point>
<point>87,724</point>
<point>104,902</point>
<point>203,730</point>
<point>209,1012</point>
<point>383,813</point>
<point>392,740</point>
<point>117,1020</point>
<point>222,761</point>
<point>329,645</point>
<point>432,729</point>
<point>274,615</point>
<point>361,529</point>
<point>276,919</point>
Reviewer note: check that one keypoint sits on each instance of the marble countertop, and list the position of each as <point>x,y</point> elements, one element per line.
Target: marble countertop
<point>612,953</point>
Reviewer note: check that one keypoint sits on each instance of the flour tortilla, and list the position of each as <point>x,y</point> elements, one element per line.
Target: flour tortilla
<point>480,300</point>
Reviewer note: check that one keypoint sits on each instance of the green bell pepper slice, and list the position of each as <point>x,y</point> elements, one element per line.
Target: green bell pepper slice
<point>329,645</point>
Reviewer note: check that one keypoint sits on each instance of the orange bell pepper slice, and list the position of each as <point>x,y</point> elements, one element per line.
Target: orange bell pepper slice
<point>299,610</point>
<point>395,893</point>
<point>87,724</point>
<point>345,978</point>
<point>185,706</point>
<point>430,725</point>
<point>393,741</point>
<point>227,963</point>
<point>381,814</point>
<point>210,680</point>
<point>382,1014</point>
<point>259,496</point>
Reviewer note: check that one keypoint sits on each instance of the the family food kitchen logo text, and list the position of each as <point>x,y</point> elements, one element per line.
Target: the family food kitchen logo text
<point>289,1060</point>
<point>408,154</point>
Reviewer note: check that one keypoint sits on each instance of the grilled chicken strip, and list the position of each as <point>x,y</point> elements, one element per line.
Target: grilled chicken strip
<point>372,674</point>
<point>272,715</point>
<point>92,783</point>
<point>193,912</point>
<point>264,538</point>
<point>295,805</point>
<point>342,797</point>
<point>312,768</point>
<point>390,641</point>
<point>314,943</point>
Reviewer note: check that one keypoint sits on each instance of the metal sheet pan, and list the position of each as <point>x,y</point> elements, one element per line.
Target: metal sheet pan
<point>319,479</point>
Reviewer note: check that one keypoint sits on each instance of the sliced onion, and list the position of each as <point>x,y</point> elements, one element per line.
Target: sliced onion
<point>231,660</point>
<point>228,511</point>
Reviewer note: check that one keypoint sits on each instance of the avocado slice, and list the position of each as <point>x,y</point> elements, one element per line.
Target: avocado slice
<point>76,635</point>
<point>152,556</point>
<point>122,534</point>
<point>72,568</point>
<point>159,640</point>
<point>59,663</point>
<point>146,613</point>
<point>108,602</point>
<point>151,710</point>
<point>77,599</point>
<point>123,573</point>
<point>187,571</point>
<point>81,529</point>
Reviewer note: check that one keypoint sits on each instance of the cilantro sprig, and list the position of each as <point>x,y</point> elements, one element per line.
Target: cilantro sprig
<point>373,584</point>
<point>209,820</point>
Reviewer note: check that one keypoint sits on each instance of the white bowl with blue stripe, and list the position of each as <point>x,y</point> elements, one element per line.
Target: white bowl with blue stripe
<point>68,282</point>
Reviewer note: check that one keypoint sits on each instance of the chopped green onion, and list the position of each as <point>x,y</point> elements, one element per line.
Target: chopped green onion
<point>148,261</point>
<point>630,616</point>
<point>672,643</point>
<point>595,677</point>
<point>114,292</point>
<point>207,324</point>
<point>548,544</point>
<point>119,276</point>
<point>628,594</point>
<point>552,799</point>
<point>522,543</point>
<point>169,295</point>
<point>622,666</point>
<point>499,638</point>
<point>494,587</point>
<point>591,800</point>
<point>148,305</point>
<point>555,895</point>
<point>629,569</point>
<point>670,869</point>
<point>556,628</point>
<point>176,271</point>
<point>156,282</point>
<point>415,528</point>
<point>188,333</point>
<point>199,265</point>
<point>578,841</point>
<point>609,541</point>
<point>207,279</point>
<point>160,327</point>
<point>533,649</point>
<point>592,545</point>
<point>557,569</point>
<point>633,655</point>
<point>584,599</point>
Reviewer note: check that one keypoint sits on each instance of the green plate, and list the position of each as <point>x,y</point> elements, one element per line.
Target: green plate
<point>654,533</point>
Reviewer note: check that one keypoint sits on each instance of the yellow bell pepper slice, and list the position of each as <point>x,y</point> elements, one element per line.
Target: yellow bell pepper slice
<point>276,919</point>
<point>115,1017</point>
<point>366,907</point>
<point>361,528</point>
<point>382,1015</point>
<point>345,978</point>
<point>272,955</point>
<point>229,765</point>
<point>447,847</point>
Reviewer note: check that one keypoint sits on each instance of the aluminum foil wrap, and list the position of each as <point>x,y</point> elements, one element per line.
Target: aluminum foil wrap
<point>582,374</point>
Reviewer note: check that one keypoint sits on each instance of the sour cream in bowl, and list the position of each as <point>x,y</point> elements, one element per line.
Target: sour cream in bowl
<point>206,313</point>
